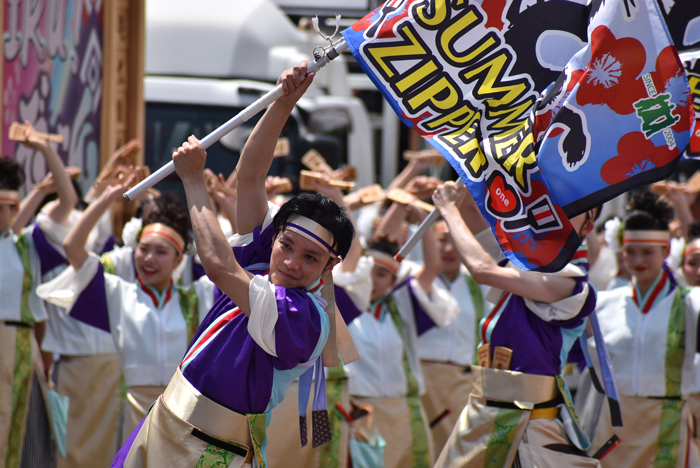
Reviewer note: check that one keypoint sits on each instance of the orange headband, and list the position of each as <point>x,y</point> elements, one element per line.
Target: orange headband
<point>646,237</point>
<point>441,226</point>
<point>170,234</point>
<point>9,197</point>
<point>384,260</point>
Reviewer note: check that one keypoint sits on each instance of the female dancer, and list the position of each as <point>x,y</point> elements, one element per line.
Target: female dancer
<point>650,329</point>
<point>151,320</point>
<point>25,429</point>
<point>389,377</point>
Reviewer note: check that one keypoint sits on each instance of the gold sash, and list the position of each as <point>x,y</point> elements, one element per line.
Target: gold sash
<point>185,429</point>
<point>487,435</point>
<point>524,390</point>
<point>187,403</point>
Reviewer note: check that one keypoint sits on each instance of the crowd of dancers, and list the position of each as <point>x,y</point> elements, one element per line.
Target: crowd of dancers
<point>197,339</point>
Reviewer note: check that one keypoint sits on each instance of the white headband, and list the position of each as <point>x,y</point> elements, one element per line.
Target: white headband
<point>9,197</point>
<point>384,260</point>
<point>646,237</point>
<point>312,231</point>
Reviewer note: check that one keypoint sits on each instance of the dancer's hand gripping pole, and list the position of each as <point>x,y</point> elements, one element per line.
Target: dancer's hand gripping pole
<point>424,226</point>
<point>236,121</point>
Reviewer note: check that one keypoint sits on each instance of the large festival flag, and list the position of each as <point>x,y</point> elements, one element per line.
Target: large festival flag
<point>544,108</point>
<point>693,71</point>
<point>683,21</point>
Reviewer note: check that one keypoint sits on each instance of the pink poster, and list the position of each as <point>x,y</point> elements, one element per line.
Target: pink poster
<point>52,77</point>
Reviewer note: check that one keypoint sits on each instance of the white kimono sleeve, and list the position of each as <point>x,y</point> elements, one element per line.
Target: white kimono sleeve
<point>358,283</point>
<point>440,305</point>
<point>64,290</point>
<point>239,240</point>
<point>263,313</point>
<point>490,244</point>
<point>566,309</point>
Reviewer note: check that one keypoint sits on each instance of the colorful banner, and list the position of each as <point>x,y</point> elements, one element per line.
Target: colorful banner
<point>693,71</point>
<point>52,77</point>
<point>683,22</point>
<point>544,109</point>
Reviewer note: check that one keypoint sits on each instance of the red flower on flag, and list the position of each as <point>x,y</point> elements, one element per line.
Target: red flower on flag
<point>611,75</point>
<point>635,155</point>
<point>368,20</point>
<point>686,110</point>
<point>614,74</point>
<point>387,29</point>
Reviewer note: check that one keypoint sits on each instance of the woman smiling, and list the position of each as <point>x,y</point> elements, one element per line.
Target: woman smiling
<point>151,320</point>
<point>650,328</point>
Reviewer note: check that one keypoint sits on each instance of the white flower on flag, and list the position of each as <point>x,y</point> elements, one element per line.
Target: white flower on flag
<point>605,70</point>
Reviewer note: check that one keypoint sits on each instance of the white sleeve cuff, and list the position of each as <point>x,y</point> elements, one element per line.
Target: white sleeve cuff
<point>407,268</point>
<point>440,305</point>
<point>56,233</point>
<point>239,240</point>
<point>263,313</point>
<point>64,290</point>
<point>566,309</point>
<point>358,283</point>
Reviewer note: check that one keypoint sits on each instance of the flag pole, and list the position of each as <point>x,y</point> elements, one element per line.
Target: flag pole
<point>424,226</point>
<point>250,111</point>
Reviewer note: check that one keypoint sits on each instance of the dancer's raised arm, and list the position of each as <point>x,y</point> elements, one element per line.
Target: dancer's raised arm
<point>67,198</point>
<point>74,244</point>
<point>531,285</point>
<point>256,157</point>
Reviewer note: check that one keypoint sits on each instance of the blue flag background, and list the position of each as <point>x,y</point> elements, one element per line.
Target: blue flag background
<point>544,109</point>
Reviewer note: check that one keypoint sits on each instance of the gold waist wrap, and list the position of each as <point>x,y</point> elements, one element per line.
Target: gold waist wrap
<point>524,390</point>
<point>208,416</point>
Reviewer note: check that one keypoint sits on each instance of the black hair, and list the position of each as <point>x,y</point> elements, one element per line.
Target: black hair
<point>11,174</point>
<point>325,212</point>
<point>647,212</point>
<point>169,209</point>
<point>144,206</point>
<point>383,244</point>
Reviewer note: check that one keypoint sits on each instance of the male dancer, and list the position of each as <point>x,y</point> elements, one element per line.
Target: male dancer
<point>266,329</point>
